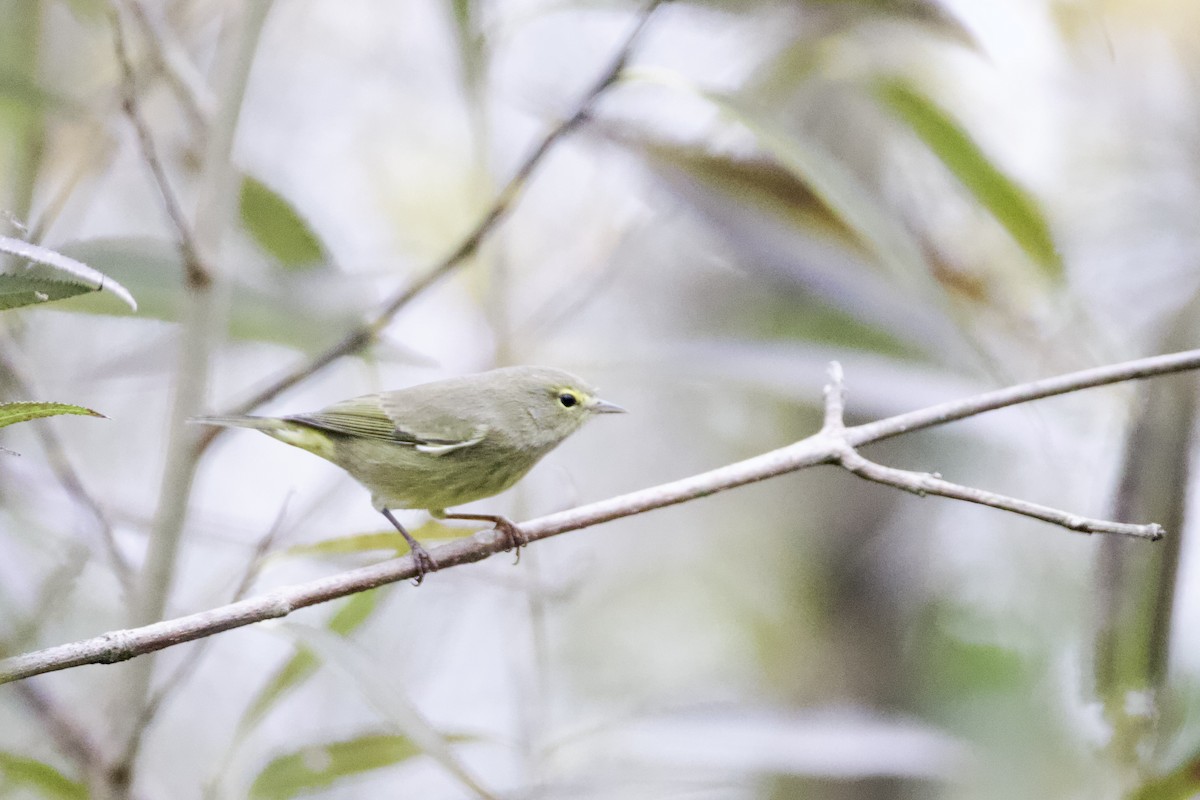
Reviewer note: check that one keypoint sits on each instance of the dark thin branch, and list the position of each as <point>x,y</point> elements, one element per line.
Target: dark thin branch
<point>72,740</point>
<point>196,272</point>
<point>825,447</point>
<point>505,201</point>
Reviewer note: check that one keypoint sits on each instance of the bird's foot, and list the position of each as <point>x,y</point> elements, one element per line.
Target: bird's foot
<point>422,561</point>
<point>514,537</point>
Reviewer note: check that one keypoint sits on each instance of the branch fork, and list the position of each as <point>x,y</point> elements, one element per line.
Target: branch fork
<point>843,453</point>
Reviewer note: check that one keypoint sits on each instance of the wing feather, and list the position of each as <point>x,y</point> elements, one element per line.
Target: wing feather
<point>367,417</point>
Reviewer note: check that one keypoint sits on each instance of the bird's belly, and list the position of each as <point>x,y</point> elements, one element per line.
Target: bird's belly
<point>399,476</point>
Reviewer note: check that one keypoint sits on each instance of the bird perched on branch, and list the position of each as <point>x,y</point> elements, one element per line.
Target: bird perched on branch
<point>444,443</point>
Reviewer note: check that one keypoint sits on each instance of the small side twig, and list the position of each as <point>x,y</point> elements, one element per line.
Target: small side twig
<point>925,483</point>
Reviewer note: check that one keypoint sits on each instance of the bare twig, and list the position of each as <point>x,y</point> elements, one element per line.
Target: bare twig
<point>821,448</point>
<point>924,483</point>
<point>365,334</point>
<point>172,63</point>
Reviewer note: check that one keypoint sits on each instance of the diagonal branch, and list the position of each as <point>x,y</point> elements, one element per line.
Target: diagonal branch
<point>825,447</point>
<point>198,274</point>
<point>366,333</point>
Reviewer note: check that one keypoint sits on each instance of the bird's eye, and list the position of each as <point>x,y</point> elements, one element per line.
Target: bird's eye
<point>568,399</point>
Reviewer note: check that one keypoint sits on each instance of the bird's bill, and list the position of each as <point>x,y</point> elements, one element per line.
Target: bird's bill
<point>598,406</point>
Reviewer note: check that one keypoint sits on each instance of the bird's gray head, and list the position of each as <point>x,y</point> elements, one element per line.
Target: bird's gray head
<point>557,401</point>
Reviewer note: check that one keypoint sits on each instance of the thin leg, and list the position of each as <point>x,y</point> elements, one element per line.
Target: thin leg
<point>421,558</point>
<point>514,539</point>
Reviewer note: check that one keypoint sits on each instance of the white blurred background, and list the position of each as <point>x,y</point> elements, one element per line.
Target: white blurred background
<point>946,197</point>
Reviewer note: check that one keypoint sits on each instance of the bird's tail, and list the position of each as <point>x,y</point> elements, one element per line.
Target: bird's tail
<point>288,431</point>
<point>257,423</point>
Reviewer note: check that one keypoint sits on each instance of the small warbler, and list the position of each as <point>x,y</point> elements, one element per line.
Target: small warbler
<point>444,443</point>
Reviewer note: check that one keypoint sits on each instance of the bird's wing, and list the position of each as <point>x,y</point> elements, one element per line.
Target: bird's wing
<point>368,417</point>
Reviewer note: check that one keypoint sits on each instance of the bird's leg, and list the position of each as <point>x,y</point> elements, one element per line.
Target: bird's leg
<point>421,558</point>
<point>514,538</point>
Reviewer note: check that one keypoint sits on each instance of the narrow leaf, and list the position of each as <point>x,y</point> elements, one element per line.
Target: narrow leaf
<point>153,269</point>
<point>1010,204</point>
<point>30,290</point>
<point>371,542</point>
<point>377,686</point>
<point>11,413</point>
<point>350,616</point>
<point>40,777</point>
<point>320,766</point>
<point>50,258</point>
<point>278,227</point>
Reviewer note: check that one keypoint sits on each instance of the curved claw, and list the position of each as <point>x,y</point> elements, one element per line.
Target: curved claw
<point>423,562</point>
<point>514,537</point>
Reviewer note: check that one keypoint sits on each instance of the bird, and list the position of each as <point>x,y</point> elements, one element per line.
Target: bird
<point>443,443</point>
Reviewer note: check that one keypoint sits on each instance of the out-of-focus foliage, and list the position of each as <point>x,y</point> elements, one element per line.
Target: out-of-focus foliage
<point>321,766</point>
<point>44,780</point>
<point>278,227</point>
<point>1011,205</point>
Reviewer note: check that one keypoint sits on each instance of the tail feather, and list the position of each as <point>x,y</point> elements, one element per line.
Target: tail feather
<point>288,431</point>
<point>257,423</point>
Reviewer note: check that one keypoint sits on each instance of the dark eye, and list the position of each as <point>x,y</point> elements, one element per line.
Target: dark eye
<point>567,399</point>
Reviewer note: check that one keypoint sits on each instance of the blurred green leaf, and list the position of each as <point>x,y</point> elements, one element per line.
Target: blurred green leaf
<point>320,766</point>
<point>818,283</point>
<point>62,263</point>
<point>278,227</point>
<point>371,542</point>
<point>470,45</point>
<point>1011,205</point>
<point>958,666</point>
<point>376,683</point>
<point>893,245</point>
<point>40,777</point>
<point>18,92</point>
<point>928,14</point>
<point>28,290</point>
<point>154,269</point>
<point>350,616</point>
<point>11,413</point>
<point>761,184</point>
<point>1182,783</point>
